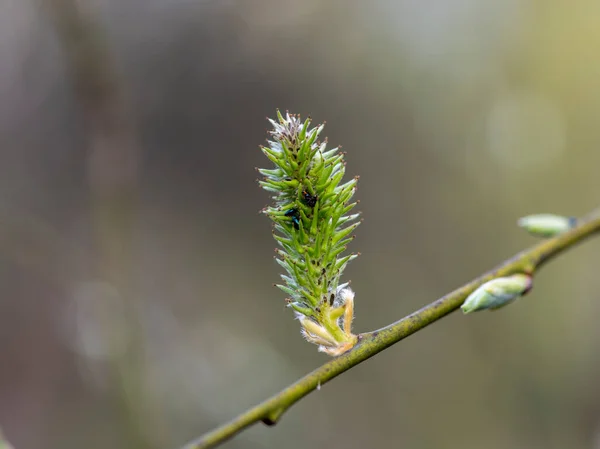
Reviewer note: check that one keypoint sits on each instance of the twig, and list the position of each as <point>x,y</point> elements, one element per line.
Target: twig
<point>371,343</point>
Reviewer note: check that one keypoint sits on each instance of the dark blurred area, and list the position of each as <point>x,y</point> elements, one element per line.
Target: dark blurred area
<point>136,273</point>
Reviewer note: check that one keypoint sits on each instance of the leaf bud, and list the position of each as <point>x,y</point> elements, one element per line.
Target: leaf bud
<point>498,293</point>
<point>546,225</point>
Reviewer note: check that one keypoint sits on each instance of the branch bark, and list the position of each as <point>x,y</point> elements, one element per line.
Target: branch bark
<point>371,343</point>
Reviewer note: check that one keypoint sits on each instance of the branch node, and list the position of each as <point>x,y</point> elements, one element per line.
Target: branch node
<point>273,416</point>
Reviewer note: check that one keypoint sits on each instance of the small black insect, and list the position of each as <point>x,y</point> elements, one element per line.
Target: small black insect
<point>309,200</point>
<point>295,215</point>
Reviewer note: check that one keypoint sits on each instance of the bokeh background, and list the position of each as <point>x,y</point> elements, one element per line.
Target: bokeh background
<point>137,307</point>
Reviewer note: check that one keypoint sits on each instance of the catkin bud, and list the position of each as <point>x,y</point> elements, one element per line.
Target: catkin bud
<point>498,293</point>
<point>546,225</point>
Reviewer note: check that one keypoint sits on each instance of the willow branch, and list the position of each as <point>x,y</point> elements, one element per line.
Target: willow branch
<point>371,343</point>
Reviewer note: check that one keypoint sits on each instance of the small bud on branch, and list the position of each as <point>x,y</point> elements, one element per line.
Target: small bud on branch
<point>546,225</point>
<point>498,293</point>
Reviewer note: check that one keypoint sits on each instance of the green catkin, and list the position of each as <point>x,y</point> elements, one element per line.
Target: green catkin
<point>312,225</point>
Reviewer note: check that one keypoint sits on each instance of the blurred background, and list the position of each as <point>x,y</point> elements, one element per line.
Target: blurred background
<point>137,307</point>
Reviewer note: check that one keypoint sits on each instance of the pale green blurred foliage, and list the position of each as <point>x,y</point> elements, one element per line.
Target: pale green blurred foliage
<point>3,443</point>
<point>459,116</point>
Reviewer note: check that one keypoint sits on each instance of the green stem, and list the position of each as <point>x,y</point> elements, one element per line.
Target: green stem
<point>332,326</point>
<point>371,343</point>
